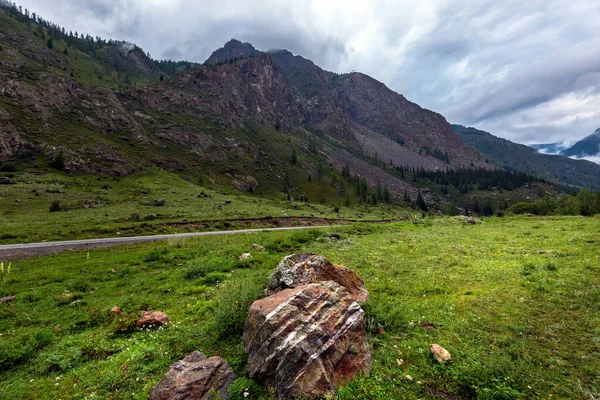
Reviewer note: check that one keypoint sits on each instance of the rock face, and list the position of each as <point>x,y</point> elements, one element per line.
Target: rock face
<point>439,353</point>
<point>305,268</point>
<point>152,318</point>
<point>306,341</point>
<point>195,377</point>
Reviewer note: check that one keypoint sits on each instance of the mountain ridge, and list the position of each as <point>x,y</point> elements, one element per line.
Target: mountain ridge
<point>556,168</point>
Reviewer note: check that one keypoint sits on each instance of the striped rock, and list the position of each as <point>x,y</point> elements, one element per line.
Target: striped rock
<point>306,341</point>
<point>305,268</point>
<point>195,377</point>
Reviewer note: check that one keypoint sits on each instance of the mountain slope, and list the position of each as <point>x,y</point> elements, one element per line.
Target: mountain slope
<point>588,146</point>
<point>523,158</point>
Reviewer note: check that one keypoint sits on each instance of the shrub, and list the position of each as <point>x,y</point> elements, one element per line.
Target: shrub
<point>58,162</point>
<point>230,307</point>
<point>213,278</point>
<point>55,206</point>
<point>8,167</point>
<point>156,255</point>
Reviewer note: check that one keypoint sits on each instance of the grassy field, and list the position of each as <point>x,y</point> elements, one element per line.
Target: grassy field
<point>515,300</point>
<point>101,206</point>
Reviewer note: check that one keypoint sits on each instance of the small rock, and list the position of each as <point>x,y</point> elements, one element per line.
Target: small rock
<point>429,326</point>
<point>245,256</point>
<point>113,270</point>
<point>7,299</point>
<point>257,247</point>
<point>439,353</point>
<point>154,318</point>
<point>470,220</point>
<point>195,377</point>
<point>334,236</point>
<point>5,180</point>
<point>116,310</point>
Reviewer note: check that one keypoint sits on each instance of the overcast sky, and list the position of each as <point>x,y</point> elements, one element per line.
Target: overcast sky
<point>526,70</point>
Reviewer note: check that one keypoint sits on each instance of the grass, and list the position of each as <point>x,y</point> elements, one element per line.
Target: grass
<point>515,301</point>
<point>88,206</point>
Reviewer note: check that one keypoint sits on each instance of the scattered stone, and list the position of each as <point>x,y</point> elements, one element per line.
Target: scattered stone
<point>439,353</point>
<point>7,299</point>
<point>471,221</point>
<point>245,256</point>
<point>112,270</point>
<point>306,341</point>
<point>185,220</point>
<point>334,236</point>
<point>116,310</point>
<point>5,180</point>
<point>152,318</point>
<point>66,295</point>
<point>305,268</point>
<point>88,204</point>
<point>195,377</point>
<point>257,247</point>
<point>429,326</point>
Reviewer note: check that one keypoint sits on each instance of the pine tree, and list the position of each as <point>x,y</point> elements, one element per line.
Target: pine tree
<point>50,43</point>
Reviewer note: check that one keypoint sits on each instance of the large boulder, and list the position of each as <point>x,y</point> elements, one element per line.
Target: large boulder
<point>305,268</point>
<point>306,341</point>
<point>195,377</point>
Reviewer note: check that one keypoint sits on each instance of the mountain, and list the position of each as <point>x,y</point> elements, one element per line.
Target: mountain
<point>588,146</point>
<point>107,107</point>
<point>555,168</point>
<point>271,123</point>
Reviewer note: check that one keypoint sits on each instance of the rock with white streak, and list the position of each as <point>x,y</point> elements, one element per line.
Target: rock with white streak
<point>195,377</point>
<point>306,341</point>
<point>306,268</point>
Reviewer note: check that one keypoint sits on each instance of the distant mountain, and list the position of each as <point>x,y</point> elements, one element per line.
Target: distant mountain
<point>556,168</point>
<point>588,146</point>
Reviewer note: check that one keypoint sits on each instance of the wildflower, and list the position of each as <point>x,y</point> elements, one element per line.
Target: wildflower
<point>246,393</point>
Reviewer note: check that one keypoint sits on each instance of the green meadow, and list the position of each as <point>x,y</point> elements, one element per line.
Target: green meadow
<point>55,206</point>
<point>515,300</point>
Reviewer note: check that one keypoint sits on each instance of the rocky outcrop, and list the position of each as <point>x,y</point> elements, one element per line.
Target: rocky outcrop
<point>306,341</point>
<point>10,141</point>
<point>305,268</point>
<point>195,377</point>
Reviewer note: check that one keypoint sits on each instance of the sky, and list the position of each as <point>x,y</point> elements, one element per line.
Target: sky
<point>528,71</point>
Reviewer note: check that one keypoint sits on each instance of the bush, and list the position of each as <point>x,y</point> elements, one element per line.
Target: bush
<point>156,255</point>
<point>8,167</point>
<point>230,307</point>
<point>59,160</point>
<point>213,278</point>
<point>55,206</point>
